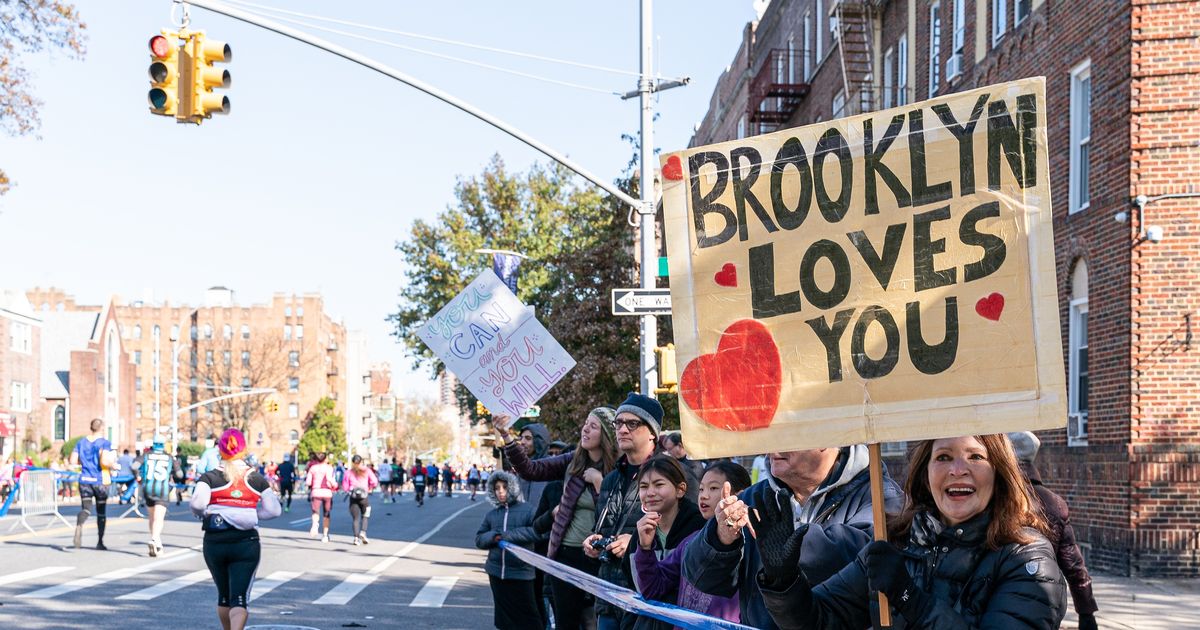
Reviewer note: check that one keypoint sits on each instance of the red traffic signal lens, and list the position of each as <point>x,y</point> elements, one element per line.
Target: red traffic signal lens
<point>160,47</point>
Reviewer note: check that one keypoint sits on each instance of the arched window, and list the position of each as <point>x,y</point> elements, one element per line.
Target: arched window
<point>1077,358</point>
<point>227,332</point>
<point>137,331</point>
<point>157,331</point>
<point>294,436</point>
<point>60,422</point>
<point>208,331</point>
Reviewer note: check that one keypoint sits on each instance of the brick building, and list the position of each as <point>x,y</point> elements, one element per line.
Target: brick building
<point>1123,92</point>
<point>20,361</point>
<point>289,344</point>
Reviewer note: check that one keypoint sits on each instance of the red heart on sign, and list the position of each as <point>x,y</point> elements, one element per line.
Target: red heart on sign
<point>673,170</point>
<point>727,276</point>
<point>737,387</point>
<point>990,307</point>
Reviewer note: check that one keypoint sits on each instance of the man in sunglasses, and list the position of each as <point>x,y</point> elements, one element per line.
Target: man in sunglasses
<point>637,423</point>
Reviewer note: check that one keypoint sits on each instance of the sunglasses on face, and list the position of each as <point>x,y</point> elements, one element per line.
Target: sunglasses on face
<point>631,425</point>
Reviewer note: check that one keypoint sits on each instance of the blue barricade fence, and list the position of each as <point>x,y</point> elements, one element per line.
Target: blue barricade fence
<point>623,598</point>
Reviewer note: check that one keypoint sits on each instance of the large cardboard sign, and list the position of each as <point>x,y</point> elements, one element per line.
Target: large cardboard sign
<point>883,277</point>
<point>494,344</point>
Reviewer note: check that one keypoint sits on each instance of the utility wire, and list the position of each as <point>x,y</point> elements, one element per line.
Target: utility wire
<point>447,57</point>
<point>440,40</point>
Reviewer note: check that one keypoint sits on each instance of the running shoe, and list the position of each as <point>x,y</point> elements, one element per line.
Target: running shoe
<point>153,549</point>
<point>356,541</point>
<point>363,538</point>
<point>287,508</point>
<point>325,538</point>
<point>312,532</point>
<point>100,547</point>
<point>158,548</point>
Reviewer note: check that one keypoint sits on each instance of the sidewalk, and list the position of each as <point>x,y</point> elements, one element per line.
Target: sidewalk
<point>1143,603</point>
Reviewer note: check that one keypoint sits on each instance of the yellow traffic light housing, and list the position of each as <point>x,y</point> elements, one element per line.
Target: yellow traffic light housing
<point>480,410</point>
<point>200,55</point>
<point>164,73</point>
<point>273,406</point>
<point>668,375</point>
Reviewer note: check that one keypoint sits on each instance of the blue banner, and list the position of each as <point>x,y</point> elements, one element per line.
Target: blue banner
<point>507,267</point>
<point>622,598</point>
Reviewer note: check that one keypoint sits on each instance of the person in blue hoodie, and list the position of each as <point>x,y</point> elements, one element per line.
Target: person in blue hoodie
<point>511,579</point>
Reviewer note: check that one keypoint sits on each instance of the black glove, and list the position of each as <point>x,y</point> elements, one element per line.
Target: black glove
<point>887,574</point>
<point>778,539</point>
<point>1087,622</point>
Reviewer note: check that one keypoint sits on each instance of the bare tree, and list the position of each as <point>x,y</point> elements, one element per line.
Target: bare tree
<point>420,428</point>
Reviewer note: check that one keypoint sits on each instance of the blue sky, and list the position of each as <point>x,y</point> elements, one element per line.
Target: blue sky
<point>322,164</point>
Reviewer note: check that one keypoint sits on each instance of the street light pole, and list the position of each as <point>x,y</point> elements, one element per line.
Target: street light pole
<point>175,393</point>
<point>649,336</point>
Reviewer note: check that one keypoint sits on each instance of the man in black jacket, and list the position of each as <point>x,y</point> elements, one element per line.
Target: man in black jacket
<point>638,422</point>
<point>1066,551</point>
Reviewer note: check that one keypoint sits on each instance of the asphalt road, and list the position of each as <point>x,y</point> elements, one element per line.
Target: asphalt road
<point>409,576</point>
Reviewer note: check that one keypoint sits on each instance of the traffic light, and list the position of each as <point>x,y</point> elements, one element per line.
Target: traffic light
<point>273,406</point>
<point>200,102</point>
<point>480,410</point>
<point>164,73</point>
<point>668,377</point>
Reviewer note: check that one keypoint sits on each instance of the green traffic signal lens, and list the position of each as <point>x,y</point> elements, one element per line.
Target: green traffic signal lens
<point>158,98</point>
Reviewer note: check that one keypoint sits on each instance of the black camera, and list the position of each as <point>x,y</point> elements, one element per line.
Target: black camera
<point>601,545</point>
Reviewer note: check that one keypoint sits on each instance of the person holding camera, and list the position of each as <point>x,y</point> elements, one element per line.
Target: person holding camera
<point>359,481</point>
<point>637,423</point>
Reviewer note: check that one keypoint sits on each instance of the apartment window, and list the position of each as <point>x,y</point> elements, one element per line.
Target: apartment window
<point>1022,8</point>
<point>1081,135</point>
<point>156,358</point>
<point>227,332</point>
<point>194,333</point>
<point>227,358</point>
<point>209,384</point>
<point>245,382</point>
<point>156,332</point>
<point>958,40</point>
<point>245,331</point>
<point>741,132</point>
<point>20,396</point>
<point>300,311</point>
<point>817,31</point>
<point>902,70</point>
<point>245,358</point>
<point>194,382</point>
<point>287,311</point>
<point>137,410</point>
<point>999,19</point>
<point>137,357</point>
<point>154,382</point>
<point>137,383</point>
<point>889,69</point>
<point>293,359</point>
<point>194,414</point>
<point>809,51</point>
<point>791,59</point>
<point>208,357</point>
<point>174,332</point>
<point>20,337</point>
<point>137,331</point>
<point>293,384</point>
<point>194,360</point>
<point>208,331</point>
<point>935,47</point>
<point>839,104</point>
<point>287,333</point>
<point>299,331</point>
<point>294,412</point>
<point>1077,386</point>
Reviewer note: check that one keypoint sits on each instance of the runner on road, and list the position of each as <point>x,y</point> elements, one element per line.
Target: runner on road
<point>385,481</point>
<point>93,454</point>
<point>155,476</point>
<point>359,481</point>
<point>418,479</point>
<point>287,481</point>
<point>431,476</point>
<point>321,484</point>
<point>232,500</point>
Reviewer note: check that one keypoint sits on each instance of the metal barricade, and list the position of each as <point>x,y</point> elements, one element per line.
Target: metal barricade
<point>38,497</point>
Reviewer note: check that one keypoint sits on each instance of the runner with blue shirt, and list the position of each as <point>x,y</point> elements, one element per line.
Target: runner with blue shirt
<point>92,454</point>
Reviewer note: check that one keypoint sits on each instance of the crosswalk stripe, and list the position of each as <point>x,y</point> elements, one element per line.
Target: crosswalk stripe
<point>119,574</point>
<point>434,592</point>
<point>170,586</point>
<point>344,592</point>
<point>268,584</point>
<point>29,575</point>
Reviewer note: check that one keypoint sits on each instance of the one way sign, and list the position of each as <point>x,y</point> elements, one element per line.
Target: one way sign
<point>641,301</point>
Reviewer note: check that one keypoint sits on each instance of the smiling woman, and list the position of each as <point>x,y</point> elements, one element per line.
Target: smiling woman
<point>969,549</point>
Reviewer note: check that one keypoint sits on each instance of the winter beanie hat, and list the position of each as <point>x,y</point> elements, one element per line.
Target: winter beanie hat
<point>1025,445</point>
<point>232,444</point>
<point>606,416</point>
<point>645,408</point>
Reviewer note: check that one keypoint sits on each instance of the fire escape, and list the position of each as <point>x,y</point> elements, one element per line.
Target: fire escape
<point>776,90</point>
<point>854,35</point>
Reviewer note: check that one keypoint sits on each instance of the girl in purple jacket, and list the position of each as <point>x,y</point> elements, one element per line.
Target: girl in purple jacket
<point>659,579</point>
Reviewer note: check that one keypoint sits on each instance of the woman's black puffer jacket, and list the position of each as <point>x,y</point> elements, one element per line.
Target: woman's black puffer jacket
<point>1014,587</point>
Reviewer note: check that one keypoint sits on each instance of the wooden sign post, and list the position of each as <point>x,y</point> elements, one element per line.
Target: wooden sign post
<point>880,517</point>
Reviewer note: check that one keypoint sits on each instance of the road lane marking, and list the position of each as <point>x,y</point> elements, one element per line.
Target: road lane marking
<point>356,582</point>
<point>103,578</point>
<point>434,592</point>
<point>300,520</point>
<point>268,584</point>
<point>29,575</point>
<point>170,586</point>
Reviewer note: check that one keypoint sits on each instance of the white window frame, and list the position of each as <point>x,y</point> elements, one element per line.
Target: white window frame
<point>935,47</point>
<point>293,411</point>
<point>820,10</point>
<point>838,106</point>
<point>889,70</point>
<point>299,331</point>
<point>902,70</point>
<point>1018,16</point>
<point>741,130</point>
<point>958,37</point>
<point>1079,74</point>
<point>999,20</point>
<point>1078,309</point>
<point>20,337</point>
<point>791,59</point>
<point>808,48</point>
<point>293,384</point>
<point>20,397</point>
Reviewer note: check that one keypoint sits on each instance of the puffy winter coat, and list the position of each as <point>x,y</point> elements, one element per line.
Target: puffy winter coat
<point>511,522</point>
<point>1011,588</point>
<point>840,525</point>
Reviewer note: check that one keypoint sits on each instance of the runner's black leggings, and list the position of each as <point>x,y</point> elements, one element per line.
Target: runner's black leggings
<point>360,511</point>
<point>419,490</point>
<point>285,489</point>
<point>232,557</point>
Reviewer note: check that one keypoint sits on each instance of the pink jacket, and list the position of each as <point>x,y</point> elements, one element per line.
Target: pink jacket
<point>353,479</point>
<point>320,481</point>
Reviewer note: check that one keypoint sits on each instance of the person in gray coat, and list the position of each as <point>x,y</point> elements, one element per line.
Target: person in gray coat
<point>510,577</point>
<point>826,496</point>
